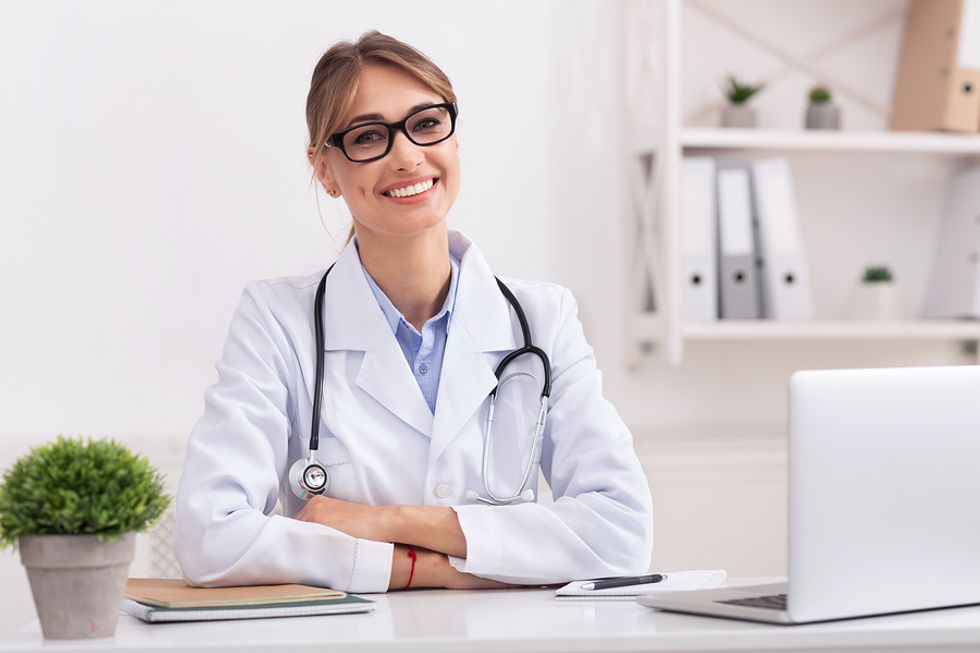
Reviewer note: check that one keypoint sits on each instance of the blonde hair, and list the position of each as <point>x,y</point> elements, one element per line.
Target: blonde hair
<point>335,77</point>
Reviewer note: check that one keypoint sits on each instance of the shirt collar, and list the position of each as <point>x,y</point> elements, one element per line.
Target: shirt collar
<point>393,315</point>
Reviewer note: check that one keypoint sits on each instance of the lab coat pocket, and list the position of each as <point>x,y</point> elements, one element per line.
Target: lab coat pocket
<point>515,414</point>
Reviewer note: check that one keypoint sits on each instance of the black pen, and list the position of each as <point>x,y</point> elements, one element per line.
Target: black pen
<point>623,582</point>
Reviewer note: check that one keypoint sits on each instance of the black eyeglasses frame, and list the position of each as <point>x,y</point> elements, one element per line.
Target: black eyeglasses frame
<point>337,139</point>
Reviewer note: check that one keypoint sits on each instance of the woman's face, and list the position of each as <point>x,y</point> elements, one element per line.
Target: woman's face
<point>391,94</point>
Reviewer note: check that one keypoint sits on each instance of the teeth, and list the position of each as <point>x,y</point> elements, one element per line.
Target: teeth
<point>408,191</point>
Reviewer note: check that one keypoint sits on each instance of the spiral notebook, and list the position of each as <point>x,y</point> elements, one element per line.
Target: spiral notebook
<point>676,581</point>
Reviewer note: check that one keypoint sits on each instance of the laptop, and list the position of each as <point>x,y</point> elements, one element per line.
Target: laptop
<point>884,500</point>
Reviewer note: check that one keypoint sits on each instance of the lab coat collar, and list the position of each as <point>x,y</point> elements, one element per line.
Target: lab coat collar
<point>481,322</point>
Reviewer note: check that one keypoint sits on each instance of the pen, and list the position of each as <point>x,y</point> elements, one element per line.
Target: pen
<point>623,582</point>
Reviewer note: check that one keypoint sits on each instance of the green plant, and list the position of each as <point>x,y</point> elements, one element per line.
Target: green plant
<point>819,94</point>
<point>70,487</point>
<point>738,92</point>
<point>877,274</point>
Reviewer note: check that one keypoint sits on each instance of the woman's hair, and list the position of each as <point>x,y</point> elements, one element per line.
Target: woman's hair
<point>334,81</point>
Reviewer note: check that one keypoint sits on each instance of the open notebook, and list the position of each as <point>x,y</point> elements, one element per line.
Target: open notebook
<point>676,581</point>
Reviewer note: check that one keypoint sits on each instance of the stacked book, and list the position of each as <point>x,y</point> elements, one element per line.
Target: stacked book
<point>161,600</point>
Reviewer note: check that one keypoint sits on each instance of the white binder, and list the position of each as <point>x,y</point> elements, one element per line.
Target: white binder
<point>954,289</point>
<point>786,292</point>
<point>738,280</point>
<point>699,287</point>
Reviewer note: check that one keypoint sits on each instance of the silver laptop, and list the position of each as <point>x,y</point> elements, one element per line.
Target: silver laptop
<point>884,499</point>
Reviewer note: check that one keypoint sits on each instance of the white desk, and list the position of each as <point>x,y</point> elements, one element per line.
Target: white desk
<point>436,621</point>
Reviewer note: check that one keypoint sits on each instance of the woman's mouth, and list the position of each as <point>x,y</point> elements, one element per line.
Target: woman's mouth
<point>415,193</point>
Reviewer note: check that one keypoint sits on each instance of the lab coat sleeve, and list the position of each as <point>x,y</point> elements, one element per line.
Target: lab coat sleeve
<point>601,522</point>
<point>236,456</point>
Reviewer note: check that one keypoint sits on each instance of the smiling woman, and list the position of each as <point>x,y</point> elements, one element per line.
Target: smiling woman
<point>365,397</point>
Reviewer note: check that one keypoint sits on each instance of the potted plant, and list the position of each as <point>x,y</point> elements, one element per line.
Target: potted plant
<point>738,113</point>
<point>878,296</point>
<point>73,509</point>
<point>822,112</point>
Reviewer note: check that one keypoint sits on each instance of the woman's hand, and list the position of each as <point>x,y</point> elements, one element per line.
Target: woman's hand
<point>432,569</point>
<point>356,519</point>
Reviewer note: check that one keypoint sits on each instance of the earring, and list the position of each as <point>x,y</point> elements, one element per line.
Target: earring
<point>333,193</point>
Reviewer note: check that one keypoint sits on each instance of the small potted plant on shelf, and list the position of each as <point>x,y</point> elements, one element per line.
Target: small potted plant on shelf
<point>822,113</point>
<point>877,296</point>
<point>73,509</point>
<point>738,113</point>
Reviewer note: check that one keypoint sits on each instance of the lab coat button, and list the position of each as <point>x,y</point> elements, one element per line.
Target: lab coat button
<point>441,491</point>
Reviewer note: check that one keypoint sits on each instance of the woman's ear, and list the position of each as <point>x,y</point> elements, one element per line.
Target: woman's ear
<point>323,173</point>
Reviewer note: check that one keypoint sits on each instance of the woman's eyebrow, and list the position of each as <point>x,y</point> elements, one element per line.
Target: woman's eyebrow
<point>378,116</point>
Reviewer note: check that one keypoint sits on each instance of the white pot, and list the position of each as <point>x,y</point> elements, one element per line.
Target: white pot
<point>879,300</point>
<point>77,582</point>
<point>737,115</point>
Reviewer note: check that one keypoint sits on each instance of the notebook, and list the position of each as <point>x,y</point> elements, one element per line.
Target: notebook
<point>153,614</point>
<point>159,599</point>
<point>676,581</point>
<point>173,593</point>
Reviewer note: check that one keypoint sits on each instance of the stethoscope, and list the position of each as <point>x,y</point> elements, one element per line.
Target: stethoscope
<point>307,477</point>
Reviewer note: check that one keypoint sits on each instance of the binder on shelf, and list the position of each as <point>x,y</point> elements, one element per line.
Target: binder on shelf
<point>786,290</point>
<point>699,294</point>
<point>738,279</point>
<point>938,82</point>
<point>954,288</point>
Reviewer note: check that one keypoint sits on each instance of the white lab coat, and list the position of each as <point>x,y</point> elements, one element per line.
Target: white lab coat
<point>381,444</point>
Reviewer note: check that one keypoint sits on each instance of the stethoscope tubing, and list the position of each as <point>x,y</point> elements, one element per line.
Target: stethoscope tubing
<point>527,349</point>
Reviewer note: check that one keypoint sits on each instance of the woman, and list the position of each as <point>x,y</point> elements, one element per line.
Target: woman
<point>394,488</point>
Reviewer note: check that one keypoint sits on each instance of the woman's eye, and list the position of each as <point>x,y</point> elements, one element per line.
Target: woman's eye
<point>368,138</point>
<point>427,123</point>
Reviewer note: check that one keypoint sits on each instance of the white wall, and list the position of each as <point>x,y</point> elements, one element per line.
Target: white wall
<point>153,163</point>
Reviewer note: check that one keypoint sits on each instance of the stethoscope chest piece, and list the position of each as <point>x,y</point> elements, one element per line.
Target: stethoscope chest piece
<point>308,478</point>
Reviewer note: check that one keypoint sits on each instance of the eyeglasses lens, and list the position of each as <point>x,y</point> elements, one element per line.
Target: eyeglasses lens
<point>424,127</point>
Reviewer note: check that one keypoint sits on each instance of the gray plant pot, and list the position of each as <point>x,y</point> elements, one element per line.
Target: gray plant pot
<point>822,115</point>
<point>737,115</point>
<point>77,582</point>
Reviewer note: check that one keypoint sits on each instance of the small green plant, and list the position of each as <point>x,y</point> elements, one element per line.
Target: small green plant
<point>877,274</point>
<point>72,487</point>
<point>738,92</point>
<point>820,94</point>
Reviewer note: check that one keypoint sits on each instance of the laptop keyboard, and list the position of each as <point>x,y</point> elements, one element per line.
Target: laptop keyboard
<point>772,601</point>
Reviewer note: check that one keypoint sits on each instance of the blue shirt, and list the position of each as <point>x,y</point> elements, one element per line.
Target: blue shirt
<point>423,351</point>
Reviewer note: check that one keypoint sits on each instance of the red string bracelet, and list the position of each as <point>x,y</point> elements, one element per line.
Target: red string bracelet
<point>411,574</point>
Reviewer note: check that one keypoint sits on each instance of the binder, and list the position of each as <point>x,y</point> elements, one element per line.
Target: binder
<point>738,280</point>
<point>786,290</point>
<point>938,82</point>
<point>699,294</point>
<point>954,286</point>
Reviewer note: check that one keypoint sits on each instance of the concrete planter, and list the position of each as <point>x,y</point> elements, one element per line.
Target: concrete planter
<point>823,115</point>
<point>737,115</point>
<point>880,300</point>
<point>77,582</point>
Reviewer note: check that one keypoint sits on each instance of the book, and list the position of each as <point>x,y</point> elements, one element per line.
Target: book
<point>153,614</point>
<point>676,581</point>
<point>174,593</point>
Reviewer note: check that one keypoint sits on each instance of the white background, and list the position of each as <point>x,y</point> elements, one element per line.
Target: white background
<point>152,163</point>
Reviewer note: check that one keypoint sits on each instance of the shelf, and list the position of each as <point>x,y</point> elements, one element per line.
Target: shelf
<point>830,141</point>
<point>842,330</point>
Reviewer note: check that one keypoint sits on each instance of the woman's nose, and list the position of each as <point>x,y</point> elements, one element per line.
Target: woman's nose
<point>405,155</point>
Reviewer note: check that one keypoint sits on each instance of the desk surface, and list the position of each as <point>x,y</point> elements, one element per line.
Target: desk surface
<point>434,621</point>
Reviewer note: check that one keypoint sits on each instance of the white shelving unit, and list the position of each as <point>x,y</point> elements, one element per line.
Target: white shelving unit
<point>659,140</point>
<point>882,142</point>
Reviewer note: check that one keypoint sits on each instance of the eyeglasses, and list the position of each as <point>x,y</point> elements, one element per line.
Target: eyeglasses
<point>371,141</point>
